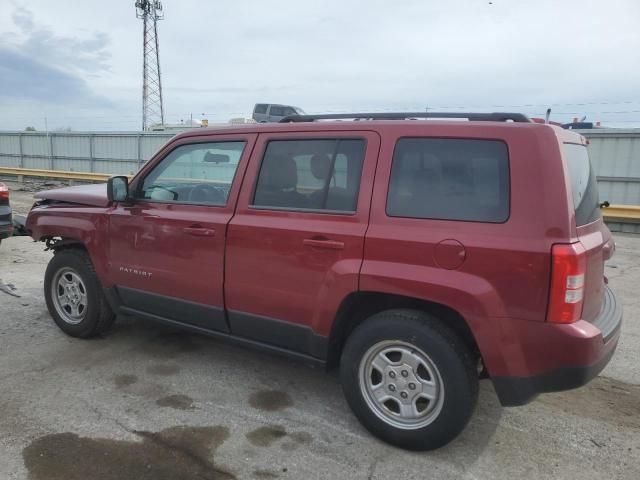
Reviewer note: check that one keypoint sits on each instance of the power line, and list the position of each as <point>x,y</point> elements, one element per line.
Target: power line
<point>528,105</point>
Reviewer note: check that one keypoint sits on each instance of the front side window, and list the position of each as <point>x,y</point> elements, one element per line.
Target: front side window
<point>450,179</point>
<point>276,111</point>
<point>201,173</point>
<point>311,175</point>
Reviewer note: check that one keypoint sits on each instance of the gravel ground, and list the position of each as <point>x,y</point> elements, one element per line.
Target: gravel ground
<point>152,402</point>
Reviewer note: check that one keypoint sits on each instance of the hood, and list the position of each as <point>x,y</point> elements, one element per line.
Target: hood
<point>94,195</point>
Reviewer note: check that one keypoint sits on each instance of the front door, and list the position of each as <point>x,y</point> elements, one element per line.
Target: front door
<point>167,244</point>
<point>295,245</point>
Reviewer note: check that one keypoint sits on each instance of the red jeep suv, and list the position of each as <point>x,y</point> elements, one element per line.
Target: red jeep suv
<point>414,253</point>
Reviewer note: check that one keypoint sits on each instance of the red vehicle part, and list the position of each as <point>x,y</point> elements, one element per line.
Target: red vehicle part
<point>528,293</point>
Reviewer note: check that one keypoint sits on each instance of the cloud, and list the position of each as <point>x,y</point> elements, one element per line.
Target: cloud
<point>36,64</point>
<point>331,56</point>
<point>24,78</point>
<point>23,19</point>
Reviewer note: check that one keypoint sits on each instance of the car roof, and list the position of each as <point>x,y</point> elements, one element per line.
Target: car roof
<point>424,126</point>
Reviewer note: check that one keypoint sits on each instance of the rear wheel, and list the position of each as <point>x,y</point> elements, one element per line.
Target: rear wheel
<point>74,295</point>
<point>410,380</point>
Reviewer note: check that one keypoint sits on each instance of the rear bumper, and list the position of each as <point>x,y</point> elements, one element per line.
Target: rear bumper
<point>6,225</point>
<point>515,391</point>
<point>6,229</point>
<point>19,226</point>
<point>581,351</point>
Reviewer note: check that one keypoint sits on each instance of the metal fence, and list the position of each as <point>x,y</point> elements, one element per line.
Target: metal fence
<point>615,154</point>
<point>99,152</point>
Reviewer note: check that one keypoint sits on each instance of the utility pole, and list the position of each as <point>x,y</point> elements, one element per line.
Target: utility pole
<point>150,11</point>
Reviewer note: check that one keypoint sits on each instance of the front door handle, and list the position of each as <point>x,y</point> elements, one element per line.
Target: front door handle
<point>199,231</point>
<point>323,243</point>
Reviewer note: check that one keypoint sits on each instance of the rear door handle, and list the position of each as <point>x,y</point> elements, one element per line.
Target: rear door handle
<point>199,231</point>
<point>323,243</point>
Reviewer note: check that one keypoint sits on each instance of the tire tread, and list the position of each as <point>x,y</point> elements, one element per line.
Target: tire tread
<point>410,325</point>
<point>104,316</point>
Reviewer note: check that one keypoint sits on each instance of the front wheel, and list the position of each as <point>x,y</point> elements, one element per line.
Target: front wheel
<point>74,295</point>
<point>409,379</point>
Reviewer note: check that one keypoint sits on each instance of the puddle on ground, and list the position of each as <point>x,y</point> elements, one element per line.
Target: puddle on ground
<point>164,370</point>
<point>178,452</point>
<point>270,400</point>
<point>179,402</point>
<point>125,380</point>
<point>603,399</point>
<point>268,435</point>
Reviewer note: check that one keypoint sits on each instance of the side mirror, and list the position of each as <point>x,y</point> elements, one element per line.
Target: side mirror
<point>118,189</point>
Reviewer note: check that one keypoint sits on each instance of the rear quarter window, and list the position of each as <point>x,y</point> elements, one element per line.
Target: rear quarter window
<point>583,183</point>
<point>450,179</point>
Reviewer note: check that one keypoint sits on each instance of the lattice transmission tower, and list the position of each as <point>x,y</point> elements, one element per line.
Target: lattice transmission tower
<point>150,11</point>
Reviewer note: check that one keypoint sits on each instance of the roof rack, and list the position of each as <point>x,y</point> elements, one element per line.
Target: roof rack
<point>476,117</point>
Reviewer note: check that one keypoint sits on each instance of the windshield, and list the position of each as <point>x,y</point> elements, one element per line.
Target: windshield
<point>584,186</point>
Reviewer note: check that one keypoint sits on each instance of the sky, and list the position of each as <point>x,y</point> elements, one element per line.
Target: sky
<point>79,63</point>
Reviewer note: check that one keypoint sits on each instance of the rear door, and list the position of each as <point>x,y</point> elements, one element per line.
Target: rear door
<point>295,244</point>
<point>590,228</point>
<point>167,245</point>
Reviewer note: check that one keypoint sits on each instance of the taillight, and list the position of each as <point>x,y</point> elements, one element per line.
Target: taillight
<point>4,191</point>
<point>568,268</point>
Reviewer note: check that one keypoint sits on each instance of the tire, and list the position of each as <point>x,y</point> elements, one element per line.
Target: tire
<point>86,313</point>
<point>409,353</point>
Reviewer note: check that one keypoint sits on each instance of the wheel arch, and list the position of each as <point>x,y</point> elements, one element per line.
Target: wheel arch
<point>56,244</point>
<point>358,306</point>
<point>61,226</point>
<point>96,253</point>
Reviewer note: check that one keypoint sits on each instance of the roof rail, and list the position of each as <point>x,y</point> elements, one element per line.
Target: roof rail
<point>478,117</point>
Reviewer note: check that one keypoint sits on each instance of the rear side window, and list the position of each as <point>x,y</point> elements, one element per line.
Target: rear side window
<point>584,186</point>
<point>450,179</point>
<point>260,108</point>
<point>310,175</point>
